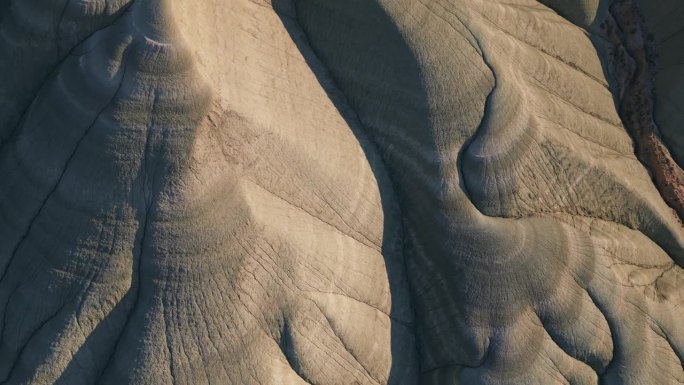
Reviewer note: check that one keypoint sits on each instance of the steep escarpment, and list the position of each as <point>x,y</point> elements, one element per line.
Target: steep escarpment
<point>325,192</point>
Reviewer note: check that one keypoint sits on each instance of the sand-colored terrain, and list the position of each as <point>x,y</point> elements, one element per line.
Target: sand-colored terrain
<point>334,192</point>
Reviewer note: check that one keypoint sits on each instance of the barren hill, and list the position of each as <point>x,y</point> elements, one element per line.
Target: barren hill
<point>335,192</point>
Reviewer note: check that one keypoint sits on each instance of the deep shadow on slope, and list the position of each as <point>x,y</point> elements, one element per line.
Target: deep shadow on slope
<point>628,56</point>
<point>405,362</point>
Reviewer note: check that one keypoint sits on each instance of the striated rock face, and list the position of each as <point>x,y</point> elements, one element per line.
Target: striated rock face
<point>337,192</point>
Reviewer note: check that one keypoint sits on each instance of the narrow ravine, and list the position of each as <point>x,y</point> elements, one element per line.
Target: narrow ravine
<point>633,63</point>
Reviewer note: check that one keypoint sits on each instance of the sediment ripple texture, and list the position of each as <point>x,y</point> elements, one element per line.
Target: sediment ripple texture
<point>329,192</point>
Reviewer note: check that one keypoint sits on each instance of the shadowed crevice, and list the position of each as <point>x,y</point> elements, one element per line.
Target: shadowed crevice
<point>632,63</point>
<point>400,372</point>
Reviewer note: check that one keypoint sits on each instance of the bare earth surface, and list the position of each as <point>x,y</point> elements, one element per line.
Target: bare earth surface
<point>335,192</point>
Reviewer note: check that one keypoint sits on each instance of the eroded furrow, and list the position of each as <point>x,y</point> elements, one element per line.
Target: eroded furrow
<point>634,66</point>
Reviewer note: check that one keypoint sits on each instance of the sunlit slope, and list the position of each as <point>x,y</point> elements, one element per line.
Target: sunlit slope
<point>326,192</point>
